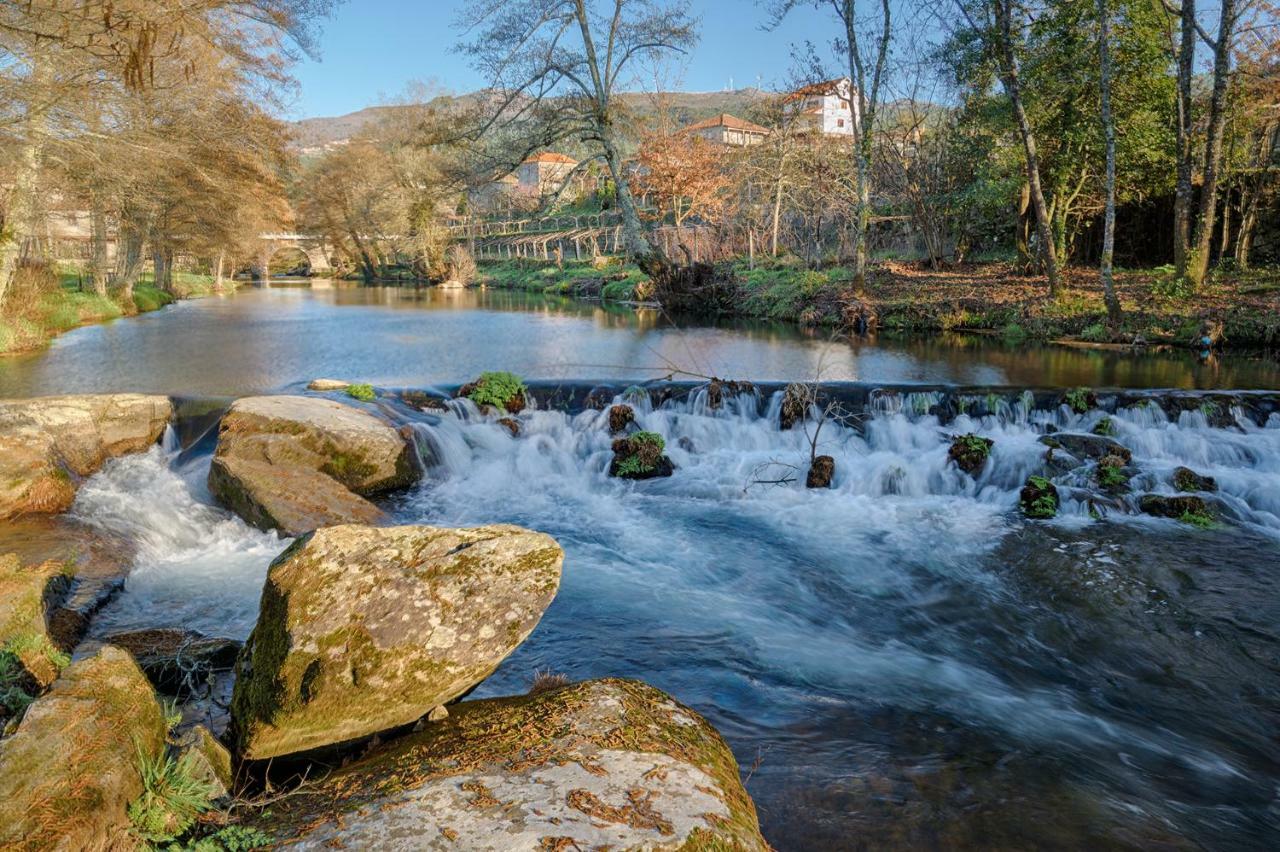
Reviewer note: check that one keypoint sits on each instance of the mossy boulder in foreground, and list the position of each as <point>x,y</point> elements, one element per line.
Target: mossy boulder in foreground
<point>296,463</point>
<point>605,764</point>
<point>364,629</point>
<point>68,774</point>
<point>47,445</point>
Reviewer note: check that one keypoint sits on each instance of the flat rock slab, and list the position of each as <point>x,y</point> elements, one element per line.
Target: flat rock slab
<point>602,764</point>
<point>176,661</point>
<point>69,772</point>
<point>295,463</point>
<point>365,629</point>
<point>48,444</point>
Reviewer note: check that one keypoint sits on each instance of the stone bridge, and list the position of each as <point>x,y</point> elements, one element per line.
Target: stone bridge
<point>319,261</point>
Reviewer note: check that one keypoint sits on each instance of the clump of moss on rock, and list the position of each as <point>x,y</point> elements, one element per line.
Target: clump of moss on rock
<point>620,417</point>
<point>970,453</point>
<point>1111,475</point>
<point>640,456</point>
<point>362,392</point>
<point>1186,479</point>
<point>1105,427</point>
<point>501,390</point>
<point>1039,498</point>
<point>1186,508</point>
<point>1080,400</point>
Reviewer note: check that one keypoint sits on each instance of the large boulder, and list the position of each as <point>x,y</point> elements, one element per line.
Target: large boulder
<point>68,774</point>
<point>28,593</point>
<point>296,463</point>
<point>366,629</point>
<point>605,764</point>
<point>47,445</point>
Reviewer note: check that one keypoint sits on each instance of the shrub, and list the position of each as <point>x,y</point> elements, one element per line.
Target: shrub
<point>1095,333</point>
<point>545,680</point>
<point>171,799</point>
<point>362,392</point>
<point>462,266</point>
<point>14,698</point>
<point>497,389</point>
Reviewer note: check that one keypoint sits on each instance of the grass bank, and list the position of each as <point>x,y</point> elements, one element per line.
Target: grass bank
<point>43,304</point>
<point>612,281</point>
<point>1240,309</point>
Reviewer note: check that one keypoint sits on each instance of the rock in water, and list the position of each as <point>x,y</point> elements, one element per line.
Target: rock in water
<point>605,764</point>
<point>47,445</point>
<point>328,385</point>
<point>295,463</point>
<point>821,472</point>
<point>1165,506</point>
<point>68,774</point>
<point>970,453</point>
<point>640,456</point>
<point>1186,479</point>
<point>1087,446</point>
<point>1039,498</point>
<point>620,417</point>
<point>176,661</point>
<point>366,629</point>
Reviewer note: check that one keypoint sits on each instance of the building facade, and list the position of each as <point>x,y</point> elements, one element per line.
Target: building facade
<point>725,129</point>
<point>827,108</point>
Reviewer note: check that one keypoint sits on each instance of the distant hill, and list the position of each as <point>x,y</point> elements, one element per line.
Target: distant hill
<point>313,134</point>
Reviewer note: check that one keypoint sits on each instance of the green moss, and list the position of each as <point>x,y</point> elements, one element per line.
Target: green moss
<point>1105,427</point>
<point>1039,499</point>
<point>643,450</point>
<point>1203,520</point>
<point>1110,474</point>
<point>362,392</point>
<point>1078,400</point>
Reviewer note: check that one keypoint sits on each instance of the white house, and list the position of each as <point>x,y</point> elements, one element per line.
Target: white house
<point>827,108</point>
<point>725,129</point>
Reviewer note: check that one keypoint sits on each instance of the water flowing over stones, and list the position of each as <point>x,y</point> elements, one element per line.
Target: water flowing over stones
<point>69,772</point>
<point>48,445</point>
<point>601,764</point>
<point>362,630</point>
<point>296,463</point>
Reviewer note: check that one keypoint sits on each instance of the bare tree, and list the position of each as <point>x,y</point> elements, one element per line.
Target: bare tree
<point>555,67</point>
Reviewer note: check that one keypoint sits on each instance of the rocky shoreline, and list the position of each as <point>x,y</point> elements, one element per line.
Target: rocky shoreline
<point>367,638</point>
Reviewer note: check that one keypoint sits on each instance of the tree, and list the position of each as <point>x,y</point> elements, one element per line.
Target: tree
<point>998,26</point>
<point>866,71</point>
<point>556,66</point>
<point>1109,131</point>
<point>684,175</point>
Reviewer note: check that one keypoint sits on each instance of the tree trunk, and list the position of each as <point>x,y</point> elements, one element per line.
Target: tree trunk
<point>20,212</point>
<point>218,263</point>
<point>1198,263</point>
<point>162,261</point>
<point>1183,190</point>
<point>1109,134</point>
<point>643,252</point>
<point>1013,88</point>
<point>98,238</point>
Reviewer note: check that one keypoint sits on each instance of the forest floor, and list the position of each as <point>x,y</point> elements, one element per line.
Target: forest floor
<point>43,305</point>
<point>1240,309</point>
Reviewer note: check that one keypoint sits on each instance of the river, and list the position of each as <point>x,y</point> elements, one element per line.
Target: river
<point>901,661</point>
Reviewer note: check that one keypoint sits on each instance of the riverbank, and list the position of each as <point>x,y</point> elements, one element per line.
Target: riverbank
<point>44,306</point>
<point>1239,310</point>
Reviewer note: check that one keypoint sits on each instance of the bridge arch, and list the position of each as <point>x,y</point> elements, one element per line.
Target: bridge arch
<point>314,248</point>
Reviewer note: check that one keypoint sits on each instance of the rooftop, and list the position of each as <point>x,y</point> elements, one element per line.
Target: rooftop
<point>552,157</point>
<point>730,121</point>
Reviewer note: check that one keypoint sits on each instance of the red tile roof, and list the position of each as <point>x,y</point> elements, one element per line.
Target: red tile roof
<point>725,120</point>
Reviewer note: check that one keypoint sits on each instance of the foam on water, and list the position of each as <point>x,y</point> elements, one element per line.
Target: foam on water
<point>756,600</point>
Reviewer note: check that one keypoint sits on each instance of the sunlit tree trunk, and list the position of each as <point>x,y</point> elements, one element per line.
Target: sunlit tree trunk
<point>1182,189</point>
<point>20,212</point>
<point>1198,263</point>
<point>98,239</point>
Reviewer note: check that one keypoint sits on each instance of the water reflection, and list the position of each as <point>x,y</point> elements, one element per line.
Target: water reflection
<point>265,339</point>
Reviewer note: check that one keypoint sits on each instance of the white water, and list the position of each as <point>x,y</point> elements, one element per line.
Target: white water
<point>770,605</point>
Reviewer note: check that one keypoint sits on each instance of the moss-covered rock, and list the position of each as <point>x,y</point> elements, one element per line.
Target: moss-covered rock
<point>208,760</point>
<point>1186,479</point>
<point>28,594</point>
<point>970,453</point>
<point>365,629</point>
<point>794,409</point>
<point>296,463</point>
<point>1087,446</point>
<point>504,391</point>
<point>1174,506</point>
<point>603,764</point>
<point>640,456</point>
<point>620,417</point>
<point>69,772</point>
<point>48,445</point>
<point>1039,498</point>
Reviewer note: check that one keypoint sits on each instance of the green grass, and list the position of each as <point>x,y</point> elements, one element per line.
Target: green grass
<point>783,290</point>
<point>14,699</point>
<point>362,392</point>
<point>230,838</point>
<point>172,797</point>
<point>543,277</point>
<point>1077,399</point>
<point>646,450</point>
<point>1198,519</point>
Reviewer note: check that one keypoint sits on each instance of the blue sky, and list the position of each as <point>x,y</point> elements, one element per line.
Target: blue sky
<point>373,49</point>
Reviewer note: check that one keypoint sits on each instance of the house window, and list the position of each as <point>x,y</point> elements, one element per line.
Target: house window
<point>839,122</point>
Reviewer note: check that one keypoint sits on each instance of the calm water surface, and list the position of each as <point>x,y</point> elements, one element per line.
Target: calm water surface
<point>902,661</point>
<point>261,340</point>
